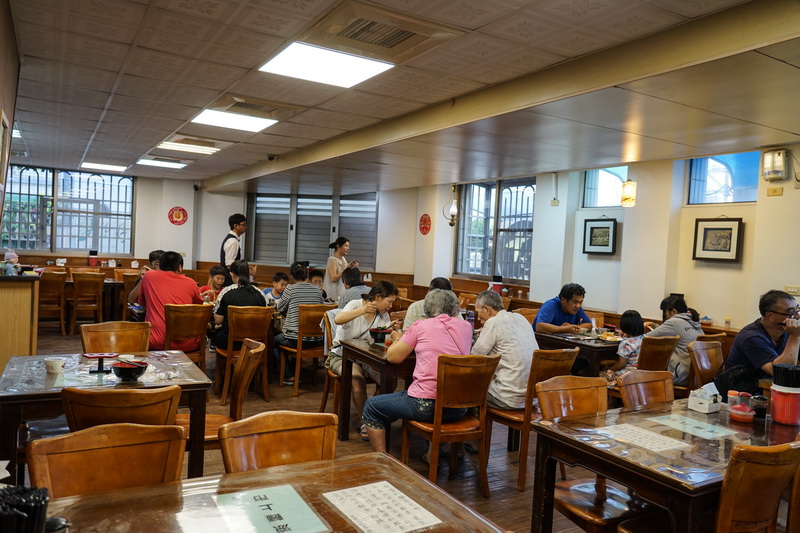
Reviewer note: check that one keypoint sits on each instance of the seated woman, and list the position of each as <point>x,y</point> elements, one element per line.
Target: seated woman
<point>241,293</point>
<point>442,333</point>
<point>632,327</point>
<point>355,321</point>
<point>301,292</point>
<point>678,320</point>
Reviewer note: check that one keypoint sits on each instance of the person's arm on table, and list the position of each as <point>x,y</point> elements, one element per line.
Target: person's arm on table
<point>399,350</point>
<point>544,327</point>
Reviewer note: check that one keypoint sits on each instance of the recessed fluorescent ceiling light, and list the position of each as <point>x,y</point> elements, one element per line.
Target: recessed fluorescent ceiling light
<point>16,133</point>
<point>185,147</point>
<point>233,120</point>
<point>159,163</point>
<point>100,166</point>
<point>313,63</point>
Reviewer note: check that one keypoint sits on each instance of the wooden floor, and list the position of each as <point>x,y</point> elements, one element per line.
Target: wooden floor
<point>507,507</point>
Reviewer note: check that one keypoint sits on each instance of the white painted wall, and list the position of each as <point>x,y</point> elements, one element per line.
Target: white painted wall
<point>398,229</point>
<point>212,221</point>
<point>433,256</point>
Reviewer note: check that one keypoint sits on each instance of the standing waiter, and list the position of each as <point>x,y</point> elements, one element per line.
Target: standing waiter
<point>231,249</point>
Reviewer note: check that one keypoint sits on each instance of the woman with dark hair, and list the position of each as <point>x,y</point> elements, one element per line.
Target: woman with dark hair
<point>241,293</point>
<point>354,322</point>
<point>632,328</point>
<point>333,284</point>
<point>301,292</point>
<point>678,320</point>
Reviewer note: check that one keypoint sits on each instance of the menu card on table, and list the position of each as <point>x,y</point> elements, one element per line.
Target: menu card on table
<point>269,510</point>
<point>380,507</point>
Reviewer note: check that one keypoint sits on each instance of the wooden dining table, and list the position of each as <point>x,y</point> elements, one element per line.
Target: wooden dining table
<point>29,392</point>
<point>367,492</point>
<point>374,356</point>
<point>671,456</point>
<point>593,350</point>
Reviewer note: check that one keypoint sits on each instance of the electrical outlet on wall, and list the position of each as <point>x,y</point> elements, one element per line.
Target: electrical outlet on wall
<point>792,289</point>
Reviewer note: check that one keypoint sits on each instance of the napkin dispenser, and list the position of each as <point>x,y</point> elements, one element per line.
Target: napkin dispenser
<point>706,399</point>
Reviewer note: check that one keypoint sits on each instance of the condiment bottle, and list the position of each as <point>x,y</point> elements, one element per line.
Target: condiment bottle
<point>745,398</point>
<point>733,398</point>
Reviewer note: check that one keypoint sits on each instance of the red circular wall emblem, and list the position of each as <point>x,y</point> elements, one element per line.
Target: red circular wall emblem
<point>425,224</point>
<point>178,215</point>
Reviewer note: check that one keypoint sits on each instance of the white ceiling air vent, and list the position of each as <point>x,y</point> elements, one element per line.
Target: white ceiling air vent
<point>255,107</point>
<point>373,32</point>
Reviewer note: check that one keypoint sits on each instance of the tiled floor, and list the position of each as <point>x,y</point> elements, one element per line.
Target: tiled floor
<point>507,507</point>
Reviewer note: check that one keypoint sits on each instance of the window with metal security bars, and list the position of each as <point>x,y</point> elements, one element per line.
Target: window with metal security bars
<point>291,228</point>
<point>57,211</point>
<point>602,187</point>
<point>724,178</point>
<point>496,232</point>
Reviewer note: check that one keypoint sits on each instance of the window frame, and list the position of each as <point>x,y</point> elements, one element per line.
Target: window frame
<point>690,180</point>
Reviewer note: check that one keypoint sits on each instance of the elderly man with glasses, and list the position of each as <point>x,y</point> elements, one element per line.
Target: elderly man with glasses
<point>772,339</point>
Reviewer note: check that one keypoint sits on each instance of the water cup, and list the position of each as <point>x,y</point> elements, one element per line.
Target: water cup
<point>54,365</point>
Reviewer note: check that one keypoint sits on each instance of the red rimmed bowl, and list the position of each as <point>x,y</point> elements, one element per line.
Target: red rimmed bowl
<point>128,371</point>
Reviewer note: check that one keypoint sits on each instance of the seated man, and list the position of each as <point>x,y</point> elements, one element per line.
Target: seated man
<point>353,286</point>
<point>279,282</point>
<point>563,314</point>
<point>167,286</point>
<point>216,280</point>
<point>153,259</point>
<point>510,336</point>
<point>416,311</point>
<point>773,338</point>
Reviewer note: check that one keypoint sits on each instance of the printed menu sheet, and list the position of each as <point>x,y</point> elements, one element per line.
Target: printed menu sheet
<point>704,430</point>
<point>269,510</point>
<point>642,437</point>
<point>380,507</point>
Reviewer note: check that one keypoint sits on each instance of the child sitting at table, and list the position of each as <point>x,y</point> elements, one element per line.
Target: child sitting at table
<point>632,327</point>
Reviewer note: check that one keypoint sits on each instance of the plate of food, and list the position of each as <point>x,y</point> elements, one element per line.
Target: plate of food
<point>609,337</point>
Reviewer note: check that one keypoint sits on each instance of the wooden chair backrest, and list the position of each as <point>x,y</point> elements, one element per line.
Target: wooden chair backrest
<point>466,298</point>
<point>707,360</point>
<point>708,337</point>
<point>119,273</point>
<point>277,438</point>
<point>248,322</point>
<point>85,408</point>
<point>398,315</point>
<point>128,282</point>
<point>329,329</point>
<point>599,317</point>
<point>249,358</point>
<point>656,351</point>
<point>51,287</point>
<point>506,302</point>
<point>754,481</point>
<point>105,458</point>
<point>115,337</point>
<point>186,322</point>
<point>402,303</point>
<point>642,387</point>
<point>309,319</point>
<point>571,395</point>
<point>55,269</point>
<point>73,270</point>
<point>462,381</point>
<point>546,364</point>
<point>88,286</point>
<point>529,314</point>
<point>402,292</point>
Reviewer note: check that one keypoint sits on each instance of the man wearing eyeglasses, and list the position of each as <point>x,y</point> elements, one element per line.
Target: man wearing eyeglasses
<point>772,339</point>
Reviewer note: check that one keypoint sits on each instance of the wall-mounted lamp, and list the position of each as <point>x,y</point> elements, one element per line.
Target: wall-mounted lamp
<point>628,194</point>
<point>450,209</point>
<point>774,165</point>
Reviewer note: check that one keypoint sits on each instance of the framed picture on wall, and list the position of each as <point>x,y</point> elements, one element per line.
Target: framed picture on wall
<point>718,239</point>
<point>600,236</point>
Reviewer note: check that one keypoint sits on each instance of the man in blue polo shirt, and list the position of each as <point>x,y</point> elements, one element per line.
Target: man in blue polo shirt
<point>772,339</point>
<point>563,314</point>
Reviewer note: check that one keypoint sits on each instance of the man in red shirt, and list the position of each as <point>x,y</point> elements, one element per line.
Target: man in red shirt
<point>167,286</point>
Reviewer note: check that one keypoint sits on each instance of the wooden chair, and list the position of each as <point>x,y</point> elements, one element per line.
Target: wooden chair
<point>55,269</point>
<point>87,296</point>
<point>755,478</point>
<point>642,387</point>
<point>244,322</point>
<point>599,317</point>
<point>401,304</point>
<point>461,381</point>
<point>82,270</point>
<point>119,273</point>
<point>188,322</point>
<point>106,458</point>
<point>402,292</point>
<point>128,283</point>
<point>277,438</point>
<point>656,352</point>
<point>506,302</point>
<point>545,364</point>
<point>85,408</point>
<point>115,337</point>
<point>529,314</point>
<point>331,377</point>
<point>248,360</point>
<point>466,298</point>
<point>707,361</point>
<point>591,504</point>
<point>708,337</point>
<point>309,318</point>
<point>51,297</point>
<point>398,315</point>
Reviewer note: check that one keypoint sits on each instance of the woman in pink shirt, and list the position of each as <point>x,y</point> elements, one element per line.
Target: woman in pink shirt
<point>428,339</point>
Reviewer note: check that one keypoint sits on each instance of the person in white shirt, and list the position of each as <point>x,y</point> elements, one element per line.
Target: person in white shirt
<point>511,337</point>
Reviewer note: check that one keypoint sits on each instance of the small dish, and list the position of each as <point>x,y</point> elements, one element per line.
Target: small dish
<point>128,372</point>
<point>741,413</point>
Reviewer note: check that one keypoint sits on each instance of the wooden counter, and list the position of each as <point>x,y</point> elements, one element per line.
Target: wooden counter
<point>19,297</point>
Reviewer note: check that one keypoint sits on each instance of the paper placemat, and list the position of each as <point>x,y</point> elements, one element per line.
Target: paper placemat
<point>269,510</point>
<point>641,437</point>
